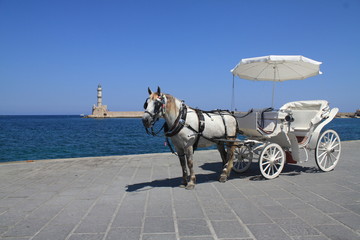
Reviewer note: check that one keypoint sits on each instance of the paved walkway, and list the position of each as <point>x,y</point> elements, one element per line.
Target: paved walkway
<point>136,197</point>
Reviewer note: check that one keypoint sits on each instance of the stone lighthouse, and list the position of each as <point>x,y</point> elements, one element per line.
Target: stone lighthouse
<point>99,96</point>
<point>99,110</point>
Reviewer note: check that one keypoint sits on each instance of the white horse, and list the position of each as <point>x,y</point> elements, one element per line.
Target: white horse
<point>190,128</point>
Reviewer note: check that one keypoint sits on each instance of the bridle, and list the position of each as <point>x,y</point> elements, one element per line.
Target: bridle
<point>159,107</point>
<point>159,110</point>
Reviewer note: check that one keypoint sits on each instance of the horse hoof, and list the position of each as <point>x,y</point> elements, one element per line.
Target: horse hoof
<point>190,187</point>
<point>222,179</point>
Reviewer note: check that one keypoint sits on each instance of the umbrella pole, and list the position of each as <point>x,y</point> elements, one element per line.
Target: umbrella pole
<point>273,92</point>
<point>233,94</point>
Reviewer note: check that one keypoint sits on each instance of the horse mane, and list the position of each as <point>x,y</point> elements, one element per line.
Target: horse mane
<point>170,104</point>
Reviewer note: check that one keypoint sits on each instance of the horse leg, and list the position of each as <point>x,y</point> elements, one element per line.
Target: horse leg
<point>229,162</point>
<point>222,151</point>
<point>184,170</point>
<point>190,163</point>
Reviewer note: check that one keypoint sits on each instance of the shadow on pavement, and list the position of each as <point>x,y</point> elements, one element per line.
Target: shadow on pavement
<point>214,169</point>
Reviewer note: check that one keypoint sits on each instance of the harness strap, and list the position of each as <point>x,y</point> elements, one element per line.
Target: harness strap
<point>201,127</point>
<point>178,124</point>
<point>223,119</point>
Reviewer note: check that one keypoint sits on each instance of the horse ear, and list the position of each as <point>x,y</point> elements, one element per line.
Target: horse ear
<point>158,91</point>
<point>149,91</point>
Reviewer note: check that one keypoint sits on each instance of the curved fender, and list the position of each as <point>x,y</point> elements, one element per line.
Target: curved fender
<point>316,133</point>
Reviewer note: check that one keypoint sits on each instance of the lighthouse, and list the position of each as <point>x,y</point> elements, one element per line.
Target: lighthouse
<point>99,96</point>
<point>99,110</point>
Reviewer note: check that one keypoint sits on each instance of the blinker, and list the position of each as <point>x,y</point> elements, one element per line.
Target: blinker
<point>146,103</point>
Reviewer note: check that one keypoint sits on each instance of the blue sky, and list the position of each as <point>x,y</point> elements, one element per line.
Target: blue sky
<point>54,53</point>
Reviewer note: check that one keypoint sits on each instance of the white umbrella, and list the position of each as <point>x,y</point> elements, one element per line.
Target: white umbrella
<point>276,68</point>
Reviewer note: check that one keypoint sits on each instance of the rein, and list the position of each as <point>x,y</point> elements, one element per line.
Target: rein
<point>154,133</point>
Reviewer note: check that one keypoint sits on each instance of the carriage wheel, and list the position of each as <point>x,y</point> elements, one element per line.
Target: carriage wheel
<point>271,160</point>
<point>327,151</point>
<point>243,159</point>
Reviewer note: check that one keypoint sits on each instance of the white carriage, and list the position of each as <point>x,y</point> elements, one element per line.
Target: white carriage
<point>278,136</point>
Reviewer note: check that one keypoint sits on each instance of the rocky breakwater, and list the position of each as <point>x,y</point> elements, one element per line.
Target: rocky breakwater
<point>108,114</point>
<point>349,115</point>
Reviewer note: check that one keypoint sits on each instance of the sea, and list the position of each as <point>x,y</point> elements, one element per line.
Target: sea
<point>51,137</point>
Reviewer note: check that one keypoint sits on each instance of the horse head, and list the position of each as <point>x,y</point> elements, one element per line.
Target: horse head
<point>154,107</point>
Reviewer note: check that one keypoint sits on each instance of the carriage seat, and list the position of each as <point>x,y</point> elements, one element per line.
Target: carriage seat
<point>259,122</point>
<point>306,114</point>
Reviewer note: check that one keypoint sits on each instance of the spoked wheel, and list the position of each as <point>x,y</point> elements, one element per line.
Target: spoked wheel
<point>243,159</point>
<point>327,151</point>
<point>271,161</point>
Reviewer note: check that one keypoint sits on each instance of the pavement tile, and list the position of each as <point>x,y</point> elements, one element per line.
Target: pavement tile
<point>207,192</point>
<point>275,212</point>
<point>228,191</point>
<point>159,207</point>
<point>328,207</point>
<point>159,237</point>
<point>229,229</point>
<point>220,213</point>
<point>310,238</point>
<point>11,217</point>
<point>124,233</point>
<point>86,236</point>
<point>338,232</point>
<point>305,195</point>
<point>193,227</point>
<point>248,212</point>
<point>268,232</point>
<point>353,207</point>
<point>343,198</point>
<point>250,190</point>
<point>278,193</point>
<point>213,202</point>
<point>189,210</point>
<point>47,211</point>
<point>263,201</point>
<point>3,230</point>
<point>293,203</point>
<point>313,216</point>
<point>181,196</point>
<point>20,238</point>
<point>198,238</point>
<point>54,232</point>
<point>11,202</point>
<point>159,225</point>
<point>98,219</point>
<point>133,204</point>
<point>296,227</point>
<point>129,220</point>
<point>351,220</point>
<point>26,227</point>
